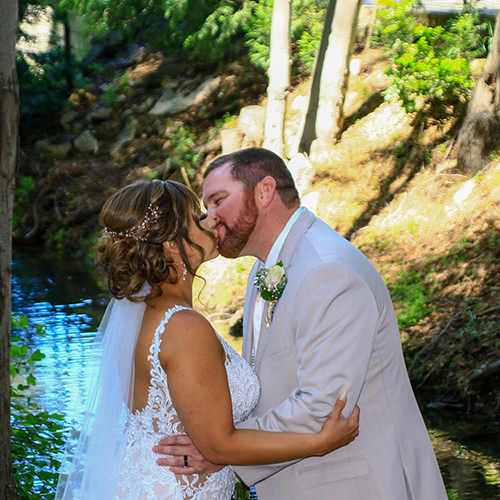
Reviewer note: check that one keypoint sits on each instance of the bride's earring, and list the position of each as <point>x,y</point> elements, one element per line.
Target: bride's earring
<point>184,270</point>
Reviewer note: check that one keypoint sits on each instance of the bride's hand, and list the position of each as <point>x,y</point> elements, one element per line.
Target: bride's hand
<point>337,431</point>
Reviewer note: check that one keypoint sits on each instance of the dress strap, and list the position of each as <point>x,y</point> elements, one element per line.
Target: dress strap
<point>154,357</point>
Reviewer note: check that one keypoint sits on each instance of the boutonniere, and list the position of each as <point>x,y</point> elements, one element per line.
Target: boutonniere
<point>271,284</point>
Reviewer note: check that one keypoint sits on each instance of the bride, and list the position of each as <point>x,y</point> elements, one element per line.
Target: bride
<point>164,370</point>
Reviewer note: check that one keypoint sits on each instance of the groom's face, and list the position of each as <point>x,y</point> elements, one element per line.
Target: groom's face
<point>233,208</point>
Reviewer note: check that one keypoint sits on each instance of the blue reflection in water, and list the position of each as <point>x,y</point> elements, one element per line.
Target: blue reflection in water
<point>63,295</point>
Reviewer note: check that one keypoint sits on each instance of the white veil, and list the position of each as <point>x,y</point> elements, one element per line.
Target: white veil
<point>90,469</point>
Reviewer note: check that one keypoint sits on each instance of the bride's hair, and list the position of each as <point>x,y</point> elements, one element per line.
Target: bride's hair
<point>138,219</point>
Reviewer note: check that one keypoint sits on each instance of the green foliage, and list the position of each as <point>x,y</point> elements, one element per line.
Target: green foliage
<point>207,29</point>
<point>37,435</point>
<point>181,143</point>
<point>112,91</point>
<point>227,121</point>
<point>57,238</point>
<point>410,297</point>
<point>43,83</point>
<point>22,200</point>
<point>306,29</point>
<point>429,65</point>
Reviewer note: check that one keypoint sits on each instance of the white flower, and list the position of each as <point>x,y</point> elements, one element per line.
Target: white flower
<point>274,276</point>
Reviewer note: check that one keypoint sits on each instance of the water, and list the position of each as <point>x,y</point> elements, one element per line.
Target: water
<point>63,294</point>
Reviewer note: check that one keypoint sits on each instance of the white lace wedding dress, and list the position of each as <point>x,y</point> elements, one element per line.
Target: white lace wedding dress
<point>141,478</point>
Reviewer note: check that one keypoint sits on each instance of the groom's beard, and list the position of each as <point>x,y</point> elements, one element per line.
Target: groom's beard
<point>236,237</point>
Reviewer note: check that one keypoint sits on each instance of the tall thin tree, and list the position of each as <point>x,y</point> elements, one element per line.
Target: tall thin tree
<point>334,78</point>
<point>9,122</point>
<point>309,127</point>
<point>279,76</point>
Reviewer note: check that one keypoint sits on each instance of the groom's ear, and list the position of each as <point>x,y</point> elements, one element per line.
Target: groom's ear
<point>265,191</point>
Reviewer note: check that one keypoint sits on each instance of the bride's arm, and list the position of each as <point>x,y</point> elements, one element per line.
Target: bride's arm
<point>193,358</point>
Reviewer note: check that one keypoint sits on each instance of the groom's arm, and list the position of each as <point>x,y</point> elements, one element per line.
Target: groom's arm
<point>335,318</point>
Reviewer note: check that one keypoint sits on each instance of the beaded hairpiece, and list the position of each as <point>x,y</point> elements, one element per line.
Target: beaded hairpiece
<point>135,231</point>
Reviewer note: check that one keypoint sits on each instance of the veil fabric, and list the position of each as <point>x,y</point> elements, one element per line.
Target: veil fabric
<point>91,468</point>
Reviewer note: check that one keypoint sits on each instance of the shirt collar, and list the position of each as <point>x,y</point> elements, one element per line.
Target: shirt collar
<point>278,244</point>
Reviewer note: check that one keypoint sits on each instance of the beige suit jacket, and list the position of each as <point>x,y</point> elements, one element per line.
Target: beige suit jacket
<point>334,329</point>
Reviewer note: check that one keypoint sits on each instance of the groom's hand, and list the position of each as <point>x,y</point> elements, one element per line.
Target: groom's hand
<point>180,446</point>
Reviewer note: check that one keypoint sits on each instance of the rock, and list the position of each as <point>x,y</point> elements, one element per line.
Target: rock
<point>231,140</point>
<point>86,143</point>
<point>165,72</point>
<point>145,106</point>
<point>354,67</point>
<point>463,193</point>
<point>67,119</point>
<point>101,114</point>
<point>44,149</point>
<point>302,172</point>
<point>126,137</point>
<point>135,55</point>
<point>209,147</point>
<point>310,201</point>
<point>168,105</point>
<point>251,123</point>
<point>110,69</point>
<point>126,115</point>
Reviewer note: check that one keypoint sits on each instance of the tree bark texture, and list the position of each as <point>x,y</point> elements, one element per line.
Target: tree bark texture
<point>9,122</point>
<point>309,127</point>
<point>334,78</point>
<point>480,131</point>
<point>279,77</point>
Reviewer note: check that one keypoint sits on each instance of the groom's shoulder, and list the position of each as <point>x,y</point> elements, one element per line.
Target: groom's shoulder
<point>321,243</point>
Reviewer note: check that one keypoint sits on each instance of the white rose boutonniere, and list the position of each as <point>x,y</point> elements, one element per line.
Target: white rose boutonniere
<point>271,284</point>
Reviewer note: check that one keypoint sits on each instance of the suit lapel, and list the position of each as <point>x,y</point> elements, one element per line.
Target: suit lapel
<point>286,255</point>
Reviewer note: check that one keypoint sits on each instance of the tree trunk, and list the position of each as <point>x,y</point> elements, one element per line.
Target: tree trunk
<point>334,79</point>
<point>279,77</point>
<point>480,131</point>
<point>9,122</point>
<point>309,127</point>
<point>369,30</point>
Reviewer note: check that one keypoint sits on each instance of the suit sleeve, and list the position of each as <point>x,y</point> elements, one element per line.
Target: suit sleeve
<point>334,321</point>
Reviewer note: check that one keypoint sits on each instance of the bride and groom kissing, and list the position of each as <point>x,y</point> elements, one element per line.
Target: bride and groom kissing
<point>319,325</point>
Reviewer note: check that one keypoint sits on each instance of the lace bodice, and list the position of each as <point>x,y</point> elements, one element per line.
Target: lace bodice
<point>141,478</point>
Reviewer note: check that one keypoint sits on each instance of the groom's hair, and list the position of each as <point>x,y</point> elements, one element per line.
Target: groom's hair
<point>251,165</point>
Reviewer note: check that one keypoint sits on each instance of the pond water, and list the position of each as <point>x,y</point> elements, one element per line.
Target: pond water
<point>64,295</point>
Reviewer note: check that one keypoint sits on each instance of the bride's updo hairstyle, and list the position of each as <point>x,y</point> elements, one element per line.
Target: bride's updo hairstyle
<point>138,220</point>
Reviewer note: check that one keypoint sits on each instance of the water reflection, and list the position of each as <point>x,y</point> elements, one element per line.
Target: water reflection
<point>64,296</point>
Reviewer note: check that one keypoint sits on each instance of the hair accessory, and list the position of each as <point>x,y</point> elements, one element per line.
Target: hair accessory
<point>135,231</point>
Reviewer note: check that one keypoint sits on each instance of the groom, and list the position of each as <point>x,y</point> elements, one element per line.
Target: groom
<point>333,329</point>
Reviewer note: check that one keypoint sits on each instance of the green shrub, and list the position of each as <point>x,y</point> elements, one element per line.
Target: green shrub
<point>429,65</point>
<point>37,435</point>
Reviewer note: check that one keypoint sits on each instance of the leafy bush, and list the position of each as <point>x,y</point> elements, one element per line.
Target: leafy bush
<point>429,65</point>
<point>37,436</point>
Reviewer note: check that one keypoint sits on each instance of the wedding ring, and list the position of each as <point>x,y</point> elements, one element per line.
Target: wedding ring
<point>186,461</point>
